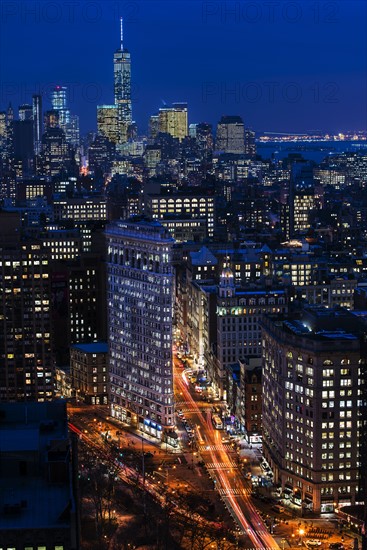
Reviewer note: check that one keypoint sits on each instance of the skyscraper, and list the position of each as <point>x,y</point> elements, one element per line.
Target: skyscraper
<point>230,135</point>
<point>140,300</point>
<point>3,135</point>
<point>311,416</point>
<point>67,122</point>
<point>173,120</point>
<point>59,103</point>
<point>55,156</point>
<point>107,122</point>
<point>27,371</point>
<point>73,131</point>
<point>204,138</point>
<point>122,87</point>
<point>25,112</point>
<point>37,122</point>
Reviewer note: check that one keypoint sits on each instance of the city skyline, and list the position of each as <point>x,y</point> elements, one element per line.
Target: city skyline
<point>302,85</point>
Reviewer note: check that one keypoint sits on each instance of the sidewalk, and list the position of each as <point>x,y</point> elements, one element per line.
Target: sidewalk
<point>287,533</point>
<point>162,445</point>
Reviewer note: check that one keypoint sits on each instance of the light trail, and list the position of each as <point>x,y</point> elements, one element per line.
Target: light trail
<point>252,522</point>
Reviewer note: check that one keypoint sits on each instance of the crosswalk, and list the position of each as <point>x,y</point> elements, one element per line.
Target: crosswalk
<point>233,491</point>
<point>220,465</point>
<point>203,448</point>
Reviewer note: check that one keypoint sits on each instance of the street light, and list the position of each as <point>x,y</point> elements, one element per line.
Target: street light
<point>160,468</point>
<point>192,459</point>
<point>301,533</point>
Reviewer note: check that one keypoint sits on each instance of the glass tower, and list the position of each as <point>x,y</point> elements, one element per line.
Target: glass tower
<point>59,103</point>
<point>37,122</point>
<point>67,122</point>
<point>122,88</point>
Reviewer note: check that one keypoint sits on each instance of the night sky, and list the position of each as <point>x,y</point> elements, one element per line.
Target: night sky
<point>286,66</point>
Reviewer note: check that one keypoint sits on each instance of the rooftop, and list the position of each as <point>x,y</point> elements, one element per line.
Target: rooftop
<point>94,347</point>
<point>35,460</point>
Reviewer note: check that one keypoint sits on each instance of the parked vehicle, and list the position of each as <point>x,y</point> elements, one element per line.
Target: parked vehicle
<point>278,508</point>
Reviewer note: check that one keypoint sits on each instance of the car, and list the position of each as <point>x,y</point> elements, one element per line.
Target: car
<point>313,543</point>
<point>336,546</point>
<point>278,508</point>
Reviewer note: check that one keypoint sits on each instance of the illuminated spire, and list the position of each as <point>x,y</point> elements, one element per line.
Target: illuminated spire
<point>122,33</point>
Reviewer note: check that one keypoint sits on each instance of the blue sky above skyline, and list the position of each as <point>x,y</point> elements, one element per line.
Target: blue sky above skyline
<point>282,65</point>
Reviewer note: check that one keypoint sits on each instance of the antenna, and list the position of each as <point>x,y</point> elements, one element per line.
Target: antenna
<point>122,33</point>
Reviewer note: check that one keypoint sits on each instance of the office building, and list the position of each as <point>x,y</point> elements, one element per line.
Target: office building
<point>200,207</point>
<point>230,136</point>
<point>59,104</point>
<point>304,196</point>
<point>55,158</point>
<point>250,144</point>
<point>37,122</point>
<point>204,138</point>
<point>67,122</point>
<point>73,131</point>
<point>89,372</point>
<point>140,302</point>
<point>239,312</point>
<point>311,417</point>
<point>80,209</point>
<point>3,135</point>
<point>33,188</point>
<point>62,244</point>
<point>153,128</point>
<point>27,372</point>
<point>78,303</point>
<point>107,122</point>
<point>51,119</point>
<point>174,120</point>
<point>184,228</point>
<point>25,112</point>
<point>22,145</point>
<point>122,88</point>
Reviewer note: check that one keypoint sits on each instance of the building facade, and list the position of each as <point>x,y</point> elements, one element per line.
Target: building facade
<point>173,120</point>
<point>27,370</point>
<point>196,206</point>
<point>239,313</point>
<point>140,305</point>
<point>107,122</point>
<point>311,380</point>
<point>230,136</point>
<point>89,372</point>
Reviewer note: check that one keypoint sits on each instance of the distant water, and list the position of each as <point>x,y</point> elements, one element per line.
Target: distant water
<point>315,150</point>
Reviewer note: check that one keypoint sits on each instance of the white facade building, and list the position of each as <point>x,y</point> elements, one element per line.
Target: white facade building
<point>140,301</point>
